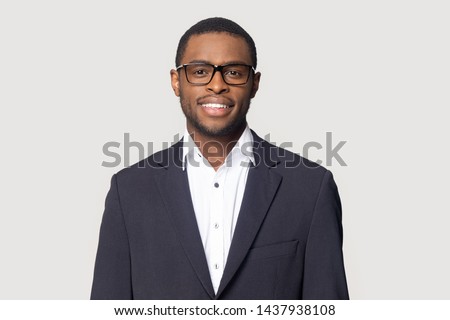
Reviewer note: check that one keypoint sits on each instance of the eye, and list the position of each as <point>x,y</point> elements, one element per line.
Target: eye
<point>233,73</point>
<point>200,72</point>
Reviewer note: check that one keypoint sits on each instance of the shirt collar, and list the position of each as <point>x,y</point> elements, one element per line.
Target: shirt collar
<point>242,150</point>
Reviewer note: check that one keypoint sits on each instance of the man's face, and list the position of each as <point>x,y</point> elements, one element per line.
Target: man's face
<point>200,102</point>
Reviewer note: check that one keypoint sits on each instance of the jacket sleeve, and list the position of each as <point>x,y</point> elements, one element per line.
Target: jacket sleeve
<point>112,272</point>
<point>324,274</point>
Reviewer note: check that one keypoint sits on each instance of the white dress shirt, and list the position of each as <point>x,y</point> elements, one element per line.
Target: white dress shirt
<point>217,197</point>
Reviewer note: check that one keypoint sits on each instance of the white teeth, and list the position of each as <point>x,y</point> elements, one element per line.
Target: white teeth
<point>215,105</point>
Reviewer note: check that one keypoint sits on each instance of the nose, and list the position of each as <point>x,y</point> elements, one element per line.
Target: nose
<point>217,85</point>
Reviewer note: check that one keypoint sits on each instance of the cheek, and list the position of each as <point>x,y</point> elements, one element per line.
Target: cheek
<point>244,99</point>
<point>189,94</point>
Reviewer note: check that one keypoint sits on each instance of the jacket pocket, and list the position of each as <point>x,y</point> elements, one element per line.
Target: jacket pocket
<point>273,250</point>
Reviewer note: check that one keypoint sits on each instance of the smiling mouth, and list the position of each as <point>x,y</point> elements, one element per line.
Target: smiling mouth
<point>215,106</point>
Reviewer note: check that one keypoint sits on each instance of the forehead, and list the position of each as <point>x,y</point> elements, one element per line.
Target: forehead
<point>217,48</point>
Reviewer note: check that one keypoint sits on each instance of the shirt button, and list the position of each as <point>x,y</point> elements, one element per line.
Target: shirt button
<point>216,266</point>
<point>216,226</point>
<point>216,185</point>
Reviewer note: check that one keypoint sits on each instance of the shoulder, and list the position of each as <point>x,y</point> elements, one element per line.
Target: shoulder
<point>152,166</point>
<point>284,161</point>
<point>301,177</point>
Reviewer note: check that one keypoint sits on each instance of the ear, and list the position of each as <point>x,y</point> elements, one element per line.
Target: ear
<point>255,84</point>
<point>175,80</point>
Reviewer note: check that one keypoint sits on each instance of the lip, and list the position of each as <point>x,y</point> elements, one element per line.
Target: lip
<point>216,100</point>
<point>215,106</point>
<point>214,109</point>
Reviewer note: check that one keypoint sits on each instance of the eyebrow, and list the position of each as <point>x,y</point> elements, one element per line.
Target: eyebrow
<point>228,62</point>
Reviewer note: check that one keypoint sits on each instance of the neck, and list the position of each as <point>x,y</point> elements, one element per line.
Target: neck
<point>215,148</point>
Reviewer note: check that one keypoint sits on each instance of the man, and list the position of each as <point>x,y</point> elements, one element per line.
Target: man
<point>222,214</point>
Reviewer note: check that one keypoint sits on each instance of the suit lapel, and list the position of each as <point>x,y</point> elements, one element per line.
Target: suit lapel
<point>261,187</point>
<point>174,189</point>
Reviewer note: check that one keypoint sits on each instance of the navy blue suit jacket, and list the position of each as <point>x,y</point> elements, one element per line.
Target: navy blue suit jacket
<point>287,243</point>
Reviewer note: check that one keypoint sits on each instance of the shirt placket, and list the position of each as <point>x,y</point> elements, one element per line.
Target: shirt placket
<point>216,228</point>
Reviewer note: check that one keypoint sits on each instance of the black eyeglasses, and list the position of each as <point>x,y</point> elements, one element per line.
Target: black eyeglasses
<point>202,73</point>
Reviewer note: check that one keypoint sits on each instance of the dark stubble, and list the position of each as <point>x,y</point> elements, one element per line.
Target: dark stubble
<point>228,130</point>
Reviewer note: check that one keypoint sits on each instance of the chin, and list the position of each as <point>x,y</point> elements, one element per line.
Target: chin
<point>215,132</point>
<point>222,131</point>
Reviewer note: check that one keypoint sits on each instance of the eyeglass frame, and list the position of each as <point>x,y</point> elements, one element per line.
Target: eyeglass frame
<point>216,68</point>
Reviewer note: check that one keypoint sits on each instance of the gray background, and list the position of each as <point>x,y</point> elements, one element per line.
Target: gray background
<point>77,74</point>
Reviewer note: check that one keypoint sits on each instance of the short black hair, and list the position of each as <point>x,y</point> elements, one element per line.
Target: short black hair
<point>215,25</point>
